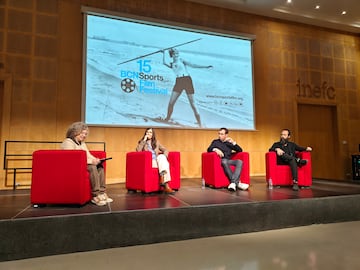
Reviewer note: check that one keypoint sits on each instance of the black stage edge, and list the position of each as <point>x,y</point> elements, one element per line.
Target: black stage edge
<point>26,238</point>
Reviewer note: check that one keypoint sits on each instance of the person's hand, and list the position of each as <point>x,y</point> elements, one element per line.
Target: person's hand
<point>279,151</point>
<point>309,149</point>
<point>96,161</point>
<point>145,138</point>
<point>230,140</point>
<point>218,152</point>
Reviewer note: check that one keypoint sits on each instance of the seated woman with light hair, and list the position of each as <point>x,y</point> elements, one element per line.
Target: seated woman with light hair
<point>75,140</point>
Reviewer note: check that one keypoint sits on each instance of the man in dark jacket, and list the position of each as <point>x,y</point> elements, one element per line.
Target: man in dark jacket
<point>285,151</point>
<point>224,147</point>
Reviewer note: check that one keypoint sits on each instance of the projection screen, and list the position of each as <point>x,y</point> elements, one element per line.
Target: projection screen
<point>139,73</point>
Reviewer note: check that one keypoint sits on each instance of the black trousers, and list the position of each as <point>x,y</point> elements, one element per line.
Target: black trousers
<point>291,161</point>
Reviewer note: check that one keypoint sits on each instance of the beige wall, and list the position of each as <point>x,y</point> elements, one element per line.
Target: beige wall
<point>41,70</point>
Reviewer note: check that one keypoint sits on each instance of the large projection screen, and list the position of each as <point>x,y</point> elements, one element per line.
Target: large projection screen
<point>140,73</point>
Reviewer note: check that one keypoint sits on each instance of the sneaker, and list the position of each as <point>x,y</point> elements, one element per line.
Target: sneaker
<point>232,187</point>
<point>106,198</point>
<point>97,201</point>
<point>295,187</point>
<point>243,186</point>
<point>301,162</point>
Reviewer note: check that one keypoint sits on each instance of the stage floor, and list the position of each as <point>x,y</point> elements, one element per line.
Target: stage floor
<point>316,247</point>
<point>16,204</point>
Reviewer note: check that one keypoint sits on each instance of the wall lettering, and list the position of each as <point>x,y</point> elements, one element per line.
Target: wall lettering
<point>324,91</point>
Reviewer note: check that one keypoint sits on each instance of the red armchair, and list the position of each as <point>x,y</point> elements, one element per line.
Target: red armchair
<point>61,177</point>
<point>281,174</point>
<point>140,175</point>
<point>213,173</point>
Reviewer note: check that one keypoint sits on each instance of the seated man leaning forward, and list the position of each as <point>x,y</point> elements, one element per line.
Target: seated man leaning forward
<point>285,151</point>
<point>224,147</point>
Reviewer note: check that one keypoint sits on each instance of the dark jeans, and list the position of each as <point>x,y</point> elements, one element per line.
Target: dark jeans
<point>234,177</point>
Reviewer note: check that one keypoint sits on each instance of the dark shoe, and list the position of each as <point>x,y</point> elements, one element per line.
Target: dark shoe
<point>301,162</point>
<point>295,187</point>
<point>168,190</point>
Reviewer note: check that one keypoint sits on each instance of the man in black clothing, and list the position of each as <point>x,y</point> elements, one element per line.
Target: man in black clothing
<point>285,152</point>
<point>224,147</point>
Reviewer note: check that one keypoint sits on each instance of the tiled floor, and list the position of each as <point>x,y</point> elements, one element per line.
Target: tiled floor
<point>16,204</point>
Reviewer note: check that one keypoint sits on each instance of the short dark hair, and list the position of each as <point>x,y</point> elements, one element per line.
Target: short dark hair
<point>288,130</point>
<point>226,130</point>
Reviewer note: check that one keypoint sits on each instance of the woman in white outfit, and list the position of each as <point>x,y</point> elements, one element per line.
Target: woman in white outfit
<point>159,157</point>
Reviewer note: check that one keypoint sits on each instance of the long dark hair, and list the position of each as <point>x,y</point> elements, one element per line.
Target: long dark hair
<point>153,138</point>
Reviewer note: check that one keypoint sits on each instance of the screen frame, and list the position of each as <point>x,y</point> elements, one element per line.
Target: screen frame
<point>161,23</point>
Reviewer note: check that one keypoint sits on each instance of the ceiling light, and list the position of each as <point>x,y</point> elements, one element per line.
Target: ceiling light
<point>343,12</point>
<point>317,7</point>
<point>289,1</point>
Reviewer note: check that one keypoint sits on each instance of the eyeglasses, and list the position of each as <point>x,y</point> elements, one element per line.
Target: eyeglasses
<point>221,133</point>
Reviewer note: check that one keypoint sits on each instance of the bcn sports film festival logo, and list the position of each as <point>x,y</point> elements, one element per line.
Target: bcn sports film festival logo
<point>142,80</point>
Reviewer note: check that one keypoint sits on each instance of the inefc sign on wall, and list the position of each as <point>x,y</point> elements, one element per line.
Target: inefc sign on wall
<point>324,91</point>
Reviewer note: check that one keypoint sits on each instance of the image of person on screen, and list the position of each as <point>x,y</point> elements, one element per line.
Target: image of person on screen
<point>159,153</point>
<point>224,147</point>
<point>183,82</point>
<point>75,140</point>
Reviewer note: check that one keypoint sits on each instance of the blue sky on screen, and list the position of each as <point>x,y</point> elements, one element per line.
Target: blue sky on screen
<point>142,33</point>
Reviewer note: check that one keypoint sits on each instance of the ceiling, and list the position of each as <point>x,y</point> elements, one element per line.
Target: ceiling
<point>327,15</point>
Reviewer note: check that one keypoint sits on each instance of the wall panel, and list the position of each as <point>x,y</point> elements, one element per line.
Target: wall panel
<point>47,60</point>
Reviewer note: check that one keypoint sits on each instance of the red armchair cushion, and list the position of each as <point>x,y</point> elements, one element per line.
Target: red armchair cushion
<point>61,177</point>
<point>281,174</point>
<point>140,175</point>
<point>213,173</point>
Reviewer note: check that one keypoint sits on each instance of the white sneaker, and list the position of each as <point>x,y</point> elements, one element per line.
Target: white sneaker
<point>243,186</point>
<point>106,198</point>
<point>232,187</point>
<point>96,200</point>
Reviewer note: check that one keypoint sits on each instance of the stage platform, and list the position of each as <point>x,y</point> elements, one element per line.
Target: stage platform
<point>192,212</point>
